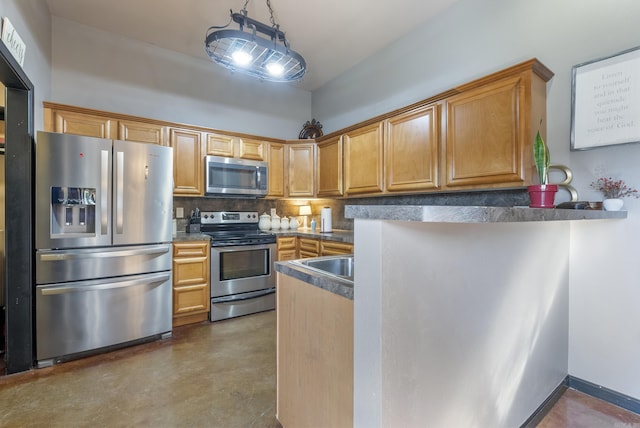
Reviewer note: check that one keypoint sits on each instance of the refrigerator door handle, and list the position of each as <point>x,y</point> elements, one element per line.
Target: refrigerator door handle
<point>104,192</point>
<point>102,253</point>
<point>119,192</point>
<point>80,287</point>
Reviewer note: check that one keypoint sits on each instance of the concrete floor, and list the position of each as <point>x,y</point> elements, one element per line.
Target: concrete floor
<point>207,375</point>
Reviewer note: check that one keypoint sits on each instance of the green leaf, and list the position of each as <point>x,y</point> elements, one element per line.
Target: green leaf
<point>541,158</point>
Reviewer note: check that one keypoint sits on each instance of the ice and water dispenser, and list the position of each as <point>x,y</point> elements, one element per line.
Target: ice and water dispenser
<point>73,211</point>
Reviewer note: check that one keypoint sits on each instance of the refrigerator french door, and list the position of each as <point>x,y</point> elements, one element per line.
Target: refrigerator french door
<point>103,244</point>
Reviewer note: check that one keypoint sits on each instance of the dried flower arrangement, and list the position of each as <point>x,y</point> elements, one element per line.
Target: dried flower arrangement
<point>613,189</point>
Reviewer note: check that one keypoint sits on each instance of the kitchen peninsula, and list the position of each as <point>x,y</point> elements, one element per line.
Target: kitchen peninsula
<point>460,313</point>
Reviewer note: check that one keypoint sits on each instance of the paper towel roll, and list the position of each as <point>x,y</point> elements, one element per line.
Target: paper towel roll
<point>325,219</point>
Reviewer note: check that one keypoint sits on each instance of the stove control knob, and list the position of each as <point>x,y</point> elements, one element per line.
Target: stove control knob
<point>206,216</point>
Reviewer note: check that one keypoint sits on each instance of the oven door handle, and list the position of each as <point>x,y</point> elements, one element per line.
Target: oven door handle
<point>243,296</point>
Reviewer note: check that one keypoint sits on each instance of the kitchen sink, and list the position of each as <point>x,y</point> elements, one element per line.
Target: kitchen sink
<point>339,266</point>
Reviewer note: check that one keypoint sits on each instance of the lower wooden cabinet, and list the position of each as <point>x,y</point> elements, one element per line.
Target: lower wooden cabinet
<point>334,248</point>
<point>314,356</point>
<point>287,247</point>
<point>308,247</point>
<point>191,295</point>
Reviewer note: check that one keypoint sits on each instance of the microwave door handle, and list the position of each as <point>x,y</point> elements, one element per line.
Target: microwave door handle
<point>119,192</point>
<point>104,192</point>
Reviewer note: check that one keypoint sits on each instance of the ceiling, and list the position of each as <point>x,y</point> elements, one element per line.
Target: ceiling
<point>332,35</point>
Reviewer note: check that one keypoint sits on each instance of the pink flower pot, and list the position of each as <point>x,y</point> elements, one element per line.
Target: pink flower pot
<point>542,195</point>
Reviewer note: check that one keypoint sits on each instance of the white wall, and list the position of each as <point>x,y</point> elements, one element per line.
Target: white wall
<point>447,336</point>
<point>32,21</point>
<point>105,71</point>
<point>476,37</point>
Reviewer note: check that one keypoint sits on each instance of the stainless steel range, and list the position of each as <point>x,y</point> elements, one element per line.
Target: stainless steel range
<point>242,257</point>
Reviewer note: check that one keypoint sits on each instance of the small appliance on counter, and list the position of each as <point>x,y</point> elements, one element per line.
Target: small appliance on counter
<point>325,219</point>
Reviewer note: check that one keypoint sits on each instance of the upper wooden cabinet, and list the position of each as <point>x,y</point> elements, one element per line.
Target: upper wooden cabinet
<point>188,160</point>
<point>69,122</point>
<point>329,168</point>
<point>412,144</point>
<point>252,149</point>
<point>276,159</point>
<point>220,145</point>
<point>491,126</point>
<point>142,132</point>
<point>363,157</point>
<point>301,169</point>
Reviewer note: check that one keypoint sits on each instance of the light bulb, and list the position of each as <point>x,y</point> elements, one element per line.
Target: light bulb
<point>241,57</point>
<point>275,68</point>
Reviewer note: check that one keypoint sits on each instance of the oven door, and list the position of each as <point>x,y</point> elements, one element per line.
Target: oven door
<point>242,268</point>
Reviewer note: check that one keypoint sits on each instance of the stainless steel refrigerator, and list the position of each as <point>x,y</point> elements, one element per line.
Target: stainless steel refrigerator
<point>103,244</point>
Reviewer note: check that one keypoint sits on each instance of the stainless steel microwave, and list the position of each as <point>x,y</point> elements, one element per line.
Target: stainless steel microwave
<point>235,177</point>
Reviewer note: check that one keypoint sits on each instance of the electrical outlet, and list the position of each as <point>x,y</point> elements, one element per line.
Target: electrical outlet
<point>179,212</point>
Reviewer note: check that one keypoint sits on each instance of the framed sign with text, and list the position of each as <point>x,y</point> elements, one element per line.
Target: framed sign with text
<point>605,101</point>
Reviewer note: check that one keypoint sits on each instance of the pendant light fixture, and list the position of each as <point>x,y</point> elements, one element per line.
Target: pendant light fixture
<point>267,57</point>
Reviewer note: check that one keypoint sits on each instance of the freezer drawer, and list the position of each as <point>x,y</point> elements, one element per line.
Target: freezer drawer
<point>55,266</point>
<point>82,316</point>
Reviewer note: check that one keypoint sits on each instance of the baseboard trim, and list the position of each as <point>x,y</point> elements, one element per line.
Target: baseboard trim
<point>610,396</point>
<point>544,408</point>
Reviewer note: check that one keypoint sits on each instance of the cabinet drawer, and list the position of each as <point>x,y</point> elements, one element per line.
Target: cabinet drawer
<point>287,243</point>
<point>332,248</point>
<point>191,298</point>
<point>191,249</point>
<point>287,255</point>
<point>190,271</point>
<point>309,245</point>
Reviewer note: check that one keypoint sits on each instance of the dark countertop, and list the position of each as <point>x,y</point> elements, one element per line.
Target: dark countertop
<point>474,214</point>
<point>184,236</point>
<point>335,235</point>
<point>330,283</point>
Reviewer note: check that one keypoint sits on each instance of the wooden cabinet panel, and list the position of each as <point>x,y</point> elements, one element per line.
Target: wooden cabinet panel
<point>81,124</point>
<point>220,145</point>
<point>334,248</point>
<point>188,177</point>
<point>287,247</point>
<point>411,150</point>
<point>314,356</point>
<point>485,135</point>
<point>252,149</point>
<point>329,168</point>
<point>308,247</point>
<point>276,159</point>
<point>142,132</point>
<point>363,151</point>
<point>301,169</point>
<point>191,274</point>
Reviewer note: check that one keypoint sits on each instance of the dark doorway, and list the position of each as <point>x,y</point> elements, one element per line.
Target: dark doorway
<point>18,278</point>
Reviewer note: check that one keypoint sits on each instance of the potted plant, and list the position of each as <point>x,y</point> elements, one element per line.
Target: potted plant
<point>613,191</point>
<point>542,195</point>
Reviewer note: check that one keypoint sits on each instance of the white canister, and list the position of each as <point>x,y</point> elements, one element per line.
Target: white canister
<point>275,222</point>
<point>265,222</point>
<point>293,223</point>
<point>284,223</point>
<point>325,219</point>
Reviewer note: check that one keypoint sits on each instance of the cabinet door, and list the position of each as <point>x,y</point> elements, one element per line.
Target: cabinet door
<point>411,150</point>
<point>276,170</point>
<point>220,145</point>
<point>301,157</point>
<point>252,149</point>
<point>309,247</point>
<point>188,178</point>
<point>329,168</point>
<point>485,133</point>
<point>363,160</point>
<point>81,124</point>
<point>333,248</point>
<point>287,248</point>
<point>142,132</point>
